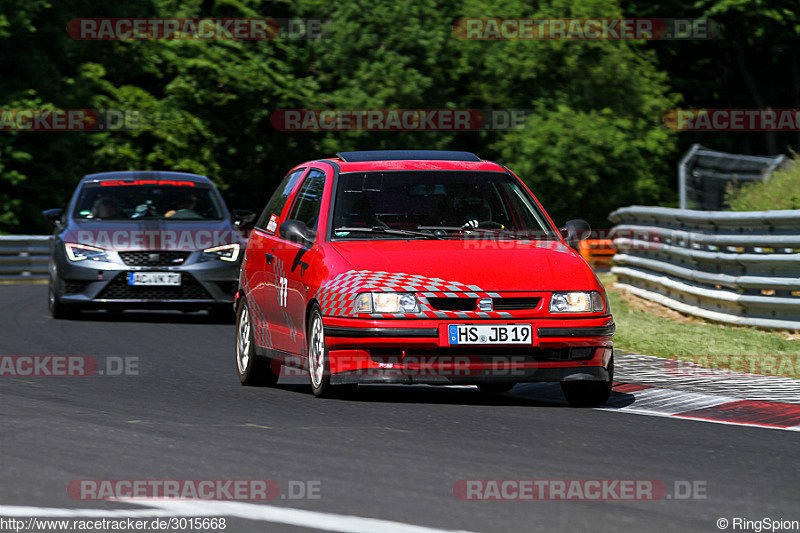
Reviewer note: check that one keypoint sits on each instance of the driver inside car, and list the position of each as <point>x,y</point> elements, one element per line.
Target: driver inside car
<point>185,207</point>
<point>104,207</point>
<point>469,211</point>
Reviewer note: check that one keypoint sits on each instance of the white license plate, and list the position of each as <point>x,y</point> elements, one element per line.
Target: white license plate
<point>490,334</point>
<point>154,278</point>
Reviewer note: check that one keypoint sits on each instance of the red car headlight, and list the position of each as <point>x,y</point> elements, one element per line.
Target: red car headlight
<point>386,302</point>
<point>577,302</point>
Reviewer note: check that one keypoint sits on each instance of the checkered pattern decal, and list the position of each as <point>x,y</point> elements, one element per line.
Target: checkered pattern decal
<point>336,296</point>
<point>261,332</point>
<point>280,272</point>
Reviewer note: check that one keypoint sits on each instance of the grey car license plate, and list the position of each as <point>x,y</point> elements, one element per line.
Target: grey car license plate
<point>154,278</point>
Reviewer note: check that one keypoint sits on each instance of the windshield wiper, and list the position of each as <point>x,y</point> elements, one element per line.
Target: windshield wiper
<point>500,232</point>
<point>462,228</point>
<point>390,231</point>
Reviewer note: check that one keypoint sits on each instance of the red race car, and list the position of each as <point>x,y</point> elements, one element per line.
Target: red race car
<point>419,267</point>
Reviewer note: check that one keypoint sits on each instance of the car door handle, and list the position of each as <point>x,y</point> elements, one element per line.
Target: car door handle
<point>269,257</point>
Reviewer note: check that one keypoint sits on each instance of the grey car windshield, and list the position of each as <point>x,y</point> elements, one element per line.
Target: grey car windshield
<point>147,202</point>
<point>440,204</point>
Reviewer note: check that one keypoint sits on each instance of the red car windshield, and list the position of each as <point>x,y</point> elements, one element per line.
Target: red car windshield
<point>435,204</point>
<point>147,202</point>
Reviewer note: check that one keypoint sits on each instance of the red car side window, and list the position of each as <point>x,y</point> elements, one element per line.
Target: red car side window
<point>279,198</point>
<point>309,199</point>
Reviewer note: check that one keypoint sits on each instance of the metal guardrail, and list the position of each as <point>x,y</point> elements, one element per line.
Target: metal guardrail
<point>704,175</point>
<point>735,267</point>
<point>24,256</point>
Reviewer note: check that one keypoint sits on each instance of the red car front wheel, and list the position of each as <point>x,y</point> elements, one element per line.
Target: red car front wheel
<point>319,365</point>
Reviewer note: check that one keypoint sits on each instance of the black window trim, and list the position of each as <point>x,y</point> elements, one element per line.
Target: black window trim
<point>533,198</point>
<point>72,211</point>
<point>292,171</point>
<point>296,193</point>
<point>334,185</point>
<point>337,172</point>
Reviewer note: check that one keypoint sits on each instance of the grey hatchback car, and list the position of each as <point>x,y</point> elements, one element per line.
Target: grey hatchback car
<point>145,239</point>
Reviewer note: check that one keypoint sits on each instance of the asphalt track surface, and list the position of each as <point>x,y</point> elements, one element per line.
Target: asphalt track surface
<point>390,452</point>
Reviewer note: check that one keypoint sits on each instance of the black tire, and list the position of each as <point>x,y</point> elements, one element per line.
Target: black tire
<point>589,393</point>
<point>58,309</point>
<point>253,370</point>
<point>319,366</point>
<point>495,388</point>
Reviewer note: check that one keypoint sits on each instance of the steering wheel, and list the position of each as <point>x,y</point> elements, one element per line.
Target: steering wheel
<point>483,224</point>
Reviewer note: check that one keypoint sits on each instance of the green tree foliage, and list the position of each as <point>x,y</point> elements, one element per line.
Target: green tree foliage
<point>595,138</point>
<point>753,63</point>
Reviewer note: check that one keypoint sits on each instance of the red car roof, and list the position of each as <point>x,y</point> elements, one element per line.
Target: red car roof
<point>485,166</point>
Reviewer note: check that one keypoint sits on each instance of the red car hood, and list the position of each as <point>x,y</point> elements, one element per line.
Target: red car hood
<point>490,265</point>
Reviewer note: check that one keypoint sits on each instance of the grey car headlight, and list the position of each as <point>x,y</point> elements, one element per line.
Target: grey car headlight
<point>82,252</point>
<point>577,302</point>
<point>386,302</point>
<point>226,252</point>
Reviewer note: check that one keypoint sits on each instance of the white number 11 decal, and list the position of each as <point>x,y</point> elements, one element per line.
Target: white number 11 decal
<point>282,290</point>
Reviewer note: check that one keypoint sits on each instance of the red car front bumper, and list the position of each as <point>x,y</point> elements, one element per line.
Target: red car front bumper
<point>418,351</point>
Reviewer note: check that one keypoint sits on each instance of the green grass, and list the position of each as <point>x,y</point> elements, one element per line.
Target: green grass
<point>705,343</point>
<point>781,191</point>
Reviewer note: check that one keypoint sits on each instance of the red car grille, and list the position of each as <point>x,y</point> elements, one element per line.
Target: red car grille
<point>470,304</point>
<point>515,303</point>
<point>453,304</point>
